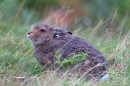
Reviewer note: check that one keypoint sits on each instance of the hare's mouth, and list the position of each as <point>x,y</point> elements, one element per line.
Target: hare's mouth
<point>30,36</point>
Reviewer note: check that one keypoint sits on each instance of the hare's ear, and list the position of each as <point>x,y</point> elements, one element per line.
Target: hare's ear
<point>66,32</point>
<point>57,34</point>
<point>61,33</point>
<point>70,33</point>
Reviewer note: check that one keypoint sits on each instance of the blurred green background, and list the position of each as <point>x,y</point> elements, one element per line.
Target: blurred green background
<point>89,12</point>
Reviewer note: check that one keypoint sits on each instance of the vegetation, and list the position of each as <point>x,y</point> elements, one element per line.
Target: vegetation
<point>68,63</point>
<point>19,67</point>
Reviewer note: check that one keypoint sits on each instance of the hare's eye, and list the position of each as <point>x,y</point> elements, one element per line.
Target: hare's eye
<point>42,30</point>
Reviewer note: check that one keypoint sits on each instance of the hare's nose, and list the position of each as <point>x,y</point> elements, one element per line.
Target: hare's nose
<point>29,33</point>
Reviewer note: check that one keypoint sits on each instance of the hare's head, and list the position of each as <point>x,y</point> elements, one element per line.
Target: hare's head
<point>43,33</point>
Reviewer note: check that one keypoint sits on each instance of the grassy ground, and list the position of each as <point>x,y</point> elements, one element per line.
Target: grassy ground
<point>19,67</point>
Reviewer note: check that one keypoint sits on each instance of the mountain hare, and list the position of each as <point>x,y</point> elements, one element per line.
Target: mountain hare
<point>48,40</point>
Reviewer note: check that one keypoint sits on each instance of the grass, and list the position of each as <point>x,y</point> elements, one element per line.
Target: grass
<point>17,60</point>
<point>18,67</point>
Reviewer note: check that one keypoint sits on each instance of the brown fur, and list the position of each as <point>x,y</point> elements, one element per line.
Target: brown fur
<point>47,43</point>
